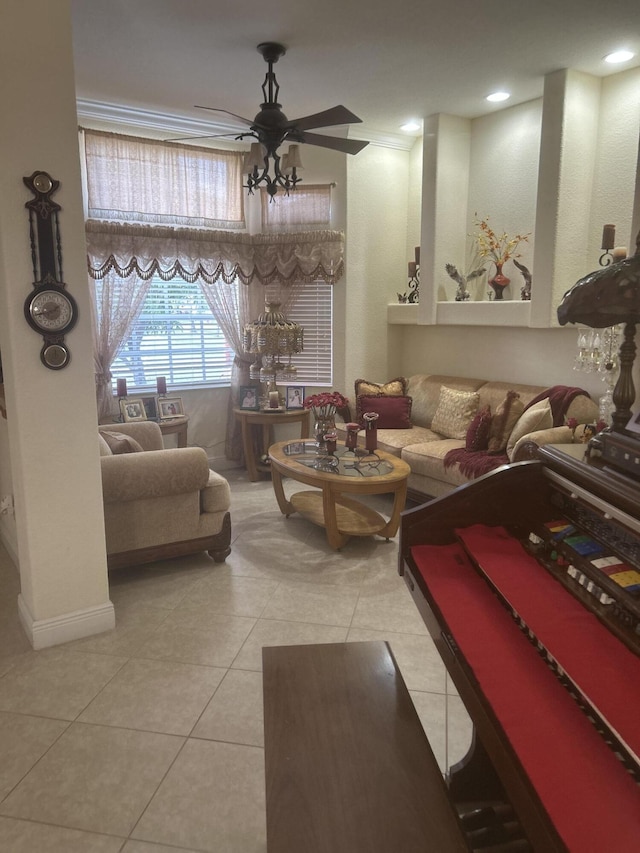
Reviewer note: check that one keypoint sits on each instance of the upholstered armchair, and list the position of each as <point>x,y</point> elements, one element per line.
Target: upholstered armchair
<point>159,503</point>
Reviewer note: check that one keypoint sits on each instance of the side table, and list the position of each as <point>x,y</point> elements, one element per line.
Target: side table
<point>264,421</point>
<point>176,426</point>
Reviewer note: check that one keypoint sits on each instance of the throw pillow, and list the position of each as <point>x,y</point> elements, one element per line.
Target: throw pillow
<point>455,412</point>
<point>120,443</point>
<point>478,432</point>
<point>393,388</point>
<point>503,421</point>
<point>536,417</point>
<point>394,411</point>
<point>105,450</point>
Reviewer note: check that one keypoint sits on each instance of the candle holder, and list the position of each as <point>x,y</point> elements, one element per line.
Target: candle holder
<point>608,242</point>
<point>413,294</point>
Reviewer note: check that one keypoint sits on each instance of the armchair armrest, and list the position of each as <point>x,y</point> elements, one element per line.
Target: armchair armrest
<point>133,476</point>
<point>527,446</point>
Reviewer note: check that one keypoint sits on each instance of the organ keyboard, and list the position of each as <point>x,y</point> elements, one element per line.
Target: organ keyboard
<point>528,580</point>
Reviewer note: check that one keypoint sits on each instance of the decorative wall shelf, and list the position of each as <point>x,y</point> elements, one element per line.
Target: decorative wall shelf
<point>501,313</point>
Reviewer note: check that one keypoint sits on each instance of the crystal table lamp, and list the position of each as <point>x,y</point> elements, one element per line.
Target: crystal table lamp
<point>274,340</point>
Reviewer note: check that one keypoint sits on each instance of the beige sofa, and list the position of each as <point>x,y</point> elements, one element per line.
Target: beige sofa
<point>424,450</point>
<point>159,503</point>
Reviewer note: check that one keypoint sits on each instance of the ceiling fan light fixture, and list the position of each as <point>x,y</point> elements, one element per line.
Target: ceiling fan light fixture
<point>254,158</point>
<point>293,157</point>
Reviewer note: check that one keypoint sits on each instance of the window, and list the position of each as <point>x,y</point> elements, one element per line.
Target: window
<point>312,308</point>
<point>175,336</point>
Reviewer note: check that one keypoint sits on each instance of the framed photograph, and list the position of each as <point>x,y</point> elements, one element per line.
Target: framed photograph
<point>249,398</point>
<point>151,408</point>
<point>132,409</point>
<point>295,396</point>
<point>170,407</point>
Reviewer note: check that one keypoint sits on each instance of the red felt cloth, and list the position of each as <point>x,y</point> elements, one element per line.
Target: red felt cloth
<point>592,801</point>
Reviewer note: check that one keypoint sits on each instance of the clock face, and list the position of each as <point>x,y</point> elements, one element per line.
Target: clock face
<point>51,311</point>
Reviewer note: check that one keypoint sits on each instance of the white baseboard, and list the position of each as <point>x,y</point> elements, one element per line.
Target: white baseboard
<point>43,633</point>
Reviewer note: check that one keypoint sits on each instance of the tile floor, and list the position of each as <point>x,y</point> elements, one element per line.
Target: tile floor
<point>148,738</point>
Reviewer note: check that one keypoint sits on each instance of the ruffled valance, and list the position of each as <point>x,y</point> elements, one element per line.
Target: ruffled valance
<point>212,256</point>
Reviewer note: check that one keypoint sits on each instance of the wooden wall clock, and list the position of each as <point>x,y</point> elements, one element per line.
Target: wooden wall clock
<point>49,309</point>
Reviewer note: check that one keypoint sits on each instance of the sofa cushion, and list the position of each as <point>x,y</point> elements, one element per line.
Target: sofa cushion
<point>427,460</point>
<point>478,433</point>
<point>536,417</point>
<point>393,388</point>
<point>105,450</point>
<point>118,442</point>
<point>424,389</point>
<point>503,421</point>
<point>455,412</point>
<point>394,411</point>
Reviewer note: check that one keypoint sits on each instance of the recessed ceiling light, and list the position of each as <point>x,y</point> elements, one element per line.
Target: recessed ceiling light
<point>498,96</point>
<point>411,126</point>
<point>619,56</point>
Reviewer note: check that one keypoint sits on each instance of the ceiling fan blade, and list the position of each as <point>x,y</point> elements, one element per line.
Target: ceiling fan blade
<point>219,110</point>
<point>235,135</point>
<point>327,118</point>
<point>348,146</point>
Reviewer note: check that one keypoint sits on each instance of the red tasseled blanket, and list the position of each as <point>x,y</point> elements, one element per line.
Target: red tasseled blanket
<point>475,463</point>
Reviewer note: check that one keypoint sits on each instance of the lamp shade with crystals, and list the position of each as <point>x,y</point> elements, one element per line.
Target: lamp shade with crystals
<point>274,340</point>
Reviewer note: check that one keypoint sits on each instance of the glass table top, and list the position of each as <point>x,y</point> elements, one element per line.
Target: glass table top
<point>345,462</point>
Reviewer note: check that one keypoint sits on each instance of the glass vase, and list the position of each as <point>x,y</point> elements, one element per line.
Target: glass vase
<point>323,424</point>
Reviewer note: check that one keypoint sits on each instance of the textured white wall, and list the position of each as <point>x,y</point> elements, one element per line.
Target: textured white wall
<point>376,257</point>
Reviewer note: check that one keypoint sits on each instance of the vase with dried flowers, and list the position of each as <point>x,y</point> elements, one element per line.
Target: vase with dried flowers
<point>499,248</point>
<point>324,408</point>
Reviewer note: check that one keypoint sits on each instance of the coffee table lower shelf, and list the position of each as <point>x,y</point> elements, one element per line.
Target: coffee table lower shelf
<point>353,517</point>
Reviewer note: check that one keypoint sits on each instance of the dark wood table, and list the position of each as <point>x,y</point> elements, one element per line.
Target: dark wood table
<point>348,766</point>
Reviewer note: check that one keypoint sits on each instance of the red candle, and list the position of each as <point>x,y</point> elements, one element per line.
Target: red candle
<point>122,387</point>
<point>608,237</point>
<point>161,384</point>
<point>412,269</point>
<point>417,251</point>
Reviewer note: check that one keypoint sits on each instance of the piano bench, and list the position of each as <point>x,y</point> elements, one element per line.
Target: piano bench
<point>348,766</point>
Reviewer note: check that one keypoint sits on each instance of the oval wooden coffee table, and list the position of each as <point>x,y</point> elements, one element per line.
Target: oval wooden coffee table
<point>333,478</point>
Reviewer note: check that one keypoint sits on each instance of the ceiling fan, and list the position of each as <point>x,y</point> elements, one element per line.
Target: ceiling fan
<point>271,128</point>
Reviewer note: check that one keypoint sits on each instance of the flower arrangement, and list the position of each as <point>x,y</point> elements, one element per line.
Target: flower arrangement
<point>324,405</point>
<point>497,247</point>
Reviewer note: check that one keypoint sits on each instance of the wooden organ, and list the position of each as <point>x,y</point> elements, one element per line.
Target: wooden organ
<point>528,580</point>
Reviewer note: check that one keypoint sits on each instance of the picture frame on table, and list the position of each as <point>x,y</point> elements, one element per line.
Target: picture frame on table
<point>151,407</point>
<point>249,398</point>
<point>170,407</point>
<point>132,409</point>
<point>294,396</point>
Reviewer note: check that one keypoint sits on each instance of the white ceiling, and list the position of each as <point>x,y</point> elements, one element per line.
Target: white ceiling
<point>386,60</point>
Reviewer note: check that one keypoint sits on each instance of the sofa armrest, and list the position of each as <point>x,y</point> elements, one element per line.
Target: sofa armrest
<point>527,446</point>
<point>146,433</point>
<point>133,476</point>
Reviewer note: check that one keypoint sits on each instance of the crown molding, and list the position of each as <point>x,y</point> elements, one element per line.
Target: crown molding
<point>143,119</point>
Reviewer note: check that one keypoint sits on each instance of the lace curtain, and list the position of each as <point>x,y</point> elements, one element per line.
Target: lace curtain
<point>308,207</point>
<point>130,179</point>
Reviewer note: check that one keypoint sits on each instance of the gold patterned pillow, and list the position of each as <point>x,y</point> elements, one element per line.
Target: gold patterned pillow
<point>455,412</point>
<point>393,388</point>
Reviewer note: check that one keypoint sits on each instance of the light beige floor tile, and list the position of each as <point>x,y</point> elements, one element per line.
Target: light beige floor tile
<point>459,730</point>
<point>158,584</point>
<point>451,688</point>
<point>273,633</point>
<point>431,708</point>
<point>235,714</point>
<point>155,696</point>
<point>417,658</point>
<point>321,605</point>
<point>192,637</point>
<point>94,778</point>
<point>134,626</point>
<point>391,611</point>
<point>234,596</point>
<point>22,836</point>
<point>57,682</point>
<point>23,740</point>
<point>212,799</point>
